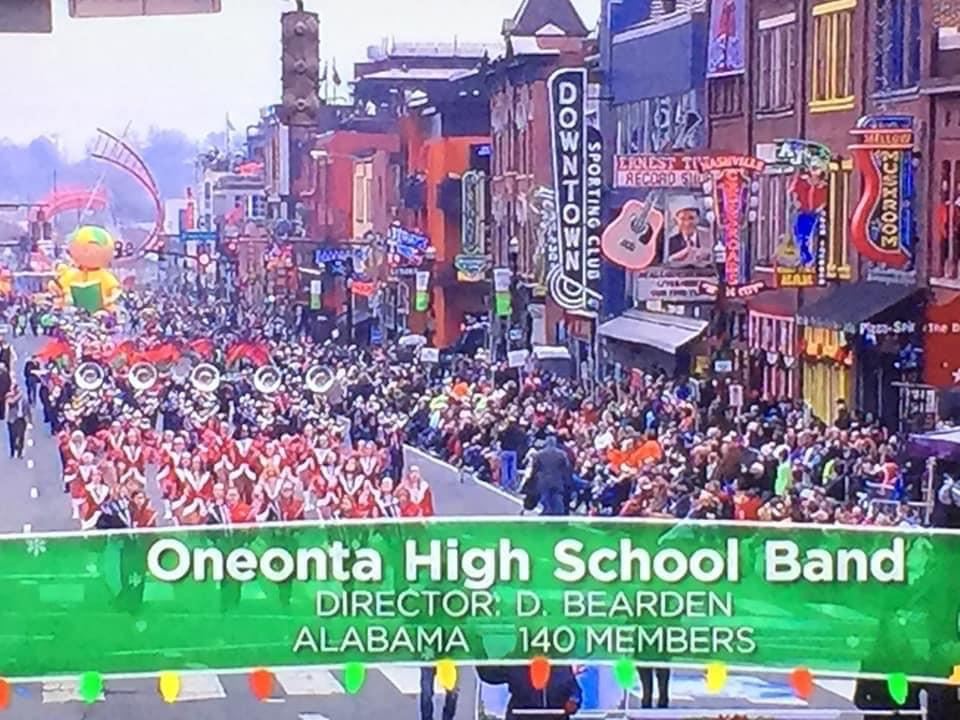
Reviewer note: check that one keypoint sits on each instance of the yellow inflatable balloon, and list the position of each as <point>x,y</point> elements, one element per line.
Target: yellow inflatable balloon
<point>88,284</point>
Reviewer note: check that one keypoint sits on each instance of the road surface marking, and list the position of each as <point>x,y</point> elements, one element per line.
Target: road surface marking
<point>308,682</point>
<point>404,679</point>
<point>63,691</point>
<point>34,493</point>
<point>200,687</point>
<point>29,464</point>
<point>844,688</point>
<point>313,716</point>
<point>27,527</point>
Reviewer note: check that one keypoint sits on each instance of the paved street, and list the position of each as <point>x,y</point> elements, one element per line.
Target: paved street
<point>319,694</point>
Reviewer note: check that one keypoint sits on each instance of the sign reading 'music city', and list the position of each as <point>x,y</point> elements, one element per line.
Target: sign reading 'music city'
<point>573,278</point>
<point>882,227</point>
<point>472,590</point>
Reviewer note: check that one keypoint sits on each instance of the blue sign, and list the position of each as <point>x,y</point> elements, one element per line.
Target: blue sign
<point>199,236</point>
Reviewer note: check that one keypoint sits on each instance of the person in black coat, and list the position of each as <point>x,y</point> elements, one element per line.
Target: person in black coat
<point>562,693</point>
<point>551,476</point>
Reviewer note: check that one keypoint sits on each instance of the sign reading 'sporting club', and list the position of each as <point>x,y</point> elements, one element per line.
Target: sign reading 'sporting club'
<point>882,228</point>
<point>574,274</point>
<point>470,590</point>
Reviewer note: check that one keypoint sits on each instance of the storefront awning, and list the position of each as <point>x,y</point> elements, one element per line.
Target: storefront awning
<point>846,306</point>
<point>664,332</point>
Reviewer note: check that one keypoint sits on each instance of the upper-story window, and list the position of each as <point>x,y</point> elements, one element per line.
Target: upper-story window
<point>776,80</point>
<point>664,124</point>
<point>726,95</point>
<point>831,60</point>
<point>896,45</point>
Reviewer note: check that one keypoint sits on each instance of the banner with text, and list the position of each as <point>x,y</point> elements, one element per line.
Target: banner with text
<point>480,591</point>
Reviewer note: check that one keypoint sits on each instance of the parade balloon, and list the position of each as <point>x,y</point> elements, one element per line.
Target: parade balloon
<point>88,284</point>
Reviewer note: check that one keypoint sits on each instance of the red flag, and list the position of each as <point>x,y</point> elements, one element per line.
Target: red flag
<point>54,350</point>
<point>202,347</point>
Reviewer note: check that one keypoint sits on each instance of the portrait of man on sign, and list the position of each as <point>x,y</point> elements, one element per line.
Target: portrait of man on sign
<point>686,245</point>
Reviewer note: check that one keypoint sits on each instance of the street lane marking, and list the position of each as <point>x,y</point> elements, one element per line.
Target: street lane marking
<point>27,527</point>
<point>309,682</point>
<point>313,716</point>
<point>63,691</point>
<point>200,687</point>
<point>404,679</point>
<point>34,493</point>
<point>844,688</point>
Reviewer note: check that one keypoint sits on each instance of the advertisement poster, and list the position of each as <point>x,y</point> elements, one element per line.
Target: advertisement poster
<point>882,229</point>
<point>474,590</point>
<point>574,264</point>
<point>734,190</point>
<point>727,51</point>
<point>800,256</point>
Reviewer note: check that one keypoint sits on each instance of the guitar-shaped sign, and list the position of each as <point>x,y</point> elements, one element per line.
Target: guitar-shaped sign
<point>631,240</point>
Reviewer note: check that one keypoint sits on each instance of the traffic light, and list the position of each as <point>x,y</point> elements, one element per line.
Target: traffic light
<point>300,79</point>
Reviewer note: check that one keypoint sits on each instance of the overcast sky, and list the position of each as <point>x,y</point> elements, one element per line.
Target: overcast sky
<point>187,72</point>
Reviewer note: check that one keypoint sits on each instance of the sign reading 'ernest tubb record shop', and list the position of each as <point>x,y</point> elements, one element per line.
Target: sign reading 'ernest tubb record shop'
<point>472,590</point>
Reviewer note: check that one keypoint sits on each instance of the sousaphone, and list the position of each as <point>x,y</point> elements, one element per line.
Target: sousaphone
<point>89,376</point>
<point>267,380</point>
<point>205,378</point>
<point>142,376</point>
<point>319,380</point>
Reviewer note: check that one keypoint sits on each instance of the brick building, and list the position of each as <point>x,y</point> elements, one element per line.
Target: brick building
<point>811,78</point>
<point>544,35</point>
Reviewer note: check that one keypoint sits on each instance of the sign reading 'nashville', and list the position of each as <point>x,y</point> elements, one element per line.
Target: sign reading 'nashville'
<point>480,590</point>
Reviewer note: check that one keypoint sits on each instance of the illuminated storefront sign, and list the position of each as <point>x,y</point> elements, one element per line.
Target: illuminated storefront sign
<point>882,229</point>
<point>733,189</point>
<point>800,256</point>
<point>574,261</point>
<point>471,263</point>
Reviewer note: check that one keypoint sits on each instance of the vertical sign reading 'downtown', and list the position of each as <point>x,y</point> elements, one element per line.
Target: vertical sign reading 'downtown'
<point>882,224</point>
<point>574,275</point>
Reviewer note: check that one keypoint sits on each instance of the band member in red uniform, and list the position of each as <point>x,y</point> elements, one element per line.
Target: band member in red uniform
<point>420,493</point>
<point>288,505</point>
<point>132,462</point>
<point>141,514</point>
<point>96,493</point>
<point>239,511</point>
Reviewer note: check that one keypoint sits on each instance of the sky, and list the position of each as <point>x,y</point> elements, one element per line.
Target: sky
<point>189,72</point>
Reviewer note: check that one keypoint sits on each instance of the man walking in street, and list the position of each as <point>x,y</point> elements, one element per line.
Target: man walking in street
<point>31,379</point>
<point>551,476</point>
<point>18,412</point>
<point>427,675</point>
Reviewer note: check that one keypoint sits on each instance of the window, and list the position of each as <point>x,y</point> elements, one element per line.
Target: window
<point>772,222</point>
<point>726,96</point>
<point>831,84</point>
<point>896,45</point>
<point>362,198</point>
<point>777,60</point>
<point>839,210</point>
<point>663,124</point>
<point>947,221</point>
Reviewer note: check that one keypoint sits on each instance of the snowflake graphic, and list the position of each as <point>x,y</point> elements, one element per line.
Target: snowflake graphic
<point>92,569</point>
<point>428,653</point>
<point>135,579</point>
<point>36,546</point>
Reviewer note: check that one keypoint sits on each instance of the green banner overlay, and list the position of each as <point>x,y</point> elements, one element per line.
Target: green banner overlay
<point>497,590</point>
